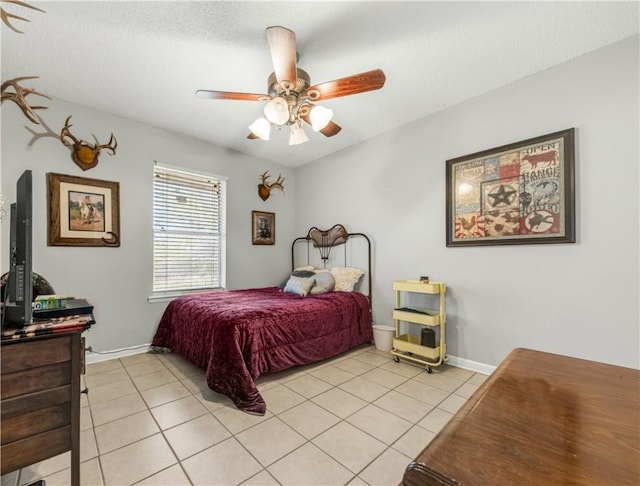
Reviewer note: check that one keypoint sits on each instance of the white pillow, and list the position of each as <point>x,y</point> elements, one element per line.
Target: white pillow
<point>299,285</point>
<point>346,278</point>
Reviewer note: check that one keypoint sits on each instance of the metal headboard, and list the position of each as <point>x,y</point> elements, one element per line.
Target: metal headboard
<point>325,241</point>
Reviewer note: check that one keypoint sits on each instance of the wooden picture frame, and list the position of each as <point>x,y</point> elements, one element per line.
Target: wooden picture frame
<point>263,228</point>
<point>83,212</point>
<point>521,193</point>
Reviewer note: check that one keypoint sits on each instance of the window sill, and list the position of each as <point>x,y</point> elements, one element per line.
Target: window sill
<point>167,296</point>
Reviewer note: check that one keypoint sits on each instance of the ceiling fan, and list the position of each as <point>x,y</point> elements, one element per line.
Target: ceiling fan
<point>291,100</point>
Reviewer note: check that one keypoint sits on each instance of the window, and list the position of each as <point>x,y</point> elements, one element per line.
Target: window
<point>188,231</point>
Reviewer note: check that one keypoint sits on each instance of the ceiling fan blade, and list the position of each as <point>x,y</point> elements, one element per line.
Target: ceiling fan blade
<point>282,44</point>
<point>358,83</point>
<point>329,131</point>
<point>230,95</point>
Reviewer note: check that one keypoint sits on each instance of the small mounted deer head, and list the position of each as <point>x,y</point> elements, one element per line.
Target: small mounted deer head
<point>264,189</point>
<point>84,154</point>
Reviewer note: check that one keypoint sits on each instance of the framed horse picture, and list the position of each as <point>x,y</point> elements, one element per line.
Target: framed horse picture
<point>83,212</point>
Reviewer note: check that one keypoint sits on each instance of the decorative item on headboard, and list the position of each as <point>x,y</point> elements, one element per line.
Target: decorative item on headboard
<point>264,189</point>
<point>324,240</point>
<point>84,154</point>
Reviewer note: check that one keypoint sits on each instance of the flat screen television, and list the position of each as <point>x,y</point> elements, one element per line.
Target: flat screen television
<point>19,290</point>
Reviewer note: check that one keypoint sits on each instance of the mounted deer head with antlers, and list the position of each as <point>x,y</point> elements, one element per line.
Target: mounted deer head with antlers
<point>84,154</point>
<point>7,15</point>
<point>264,189</point>
<point>12,91</point>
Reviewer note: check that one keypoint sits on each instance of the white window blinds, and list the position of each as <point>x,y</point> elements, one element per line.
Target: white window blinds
<point>188,230</point>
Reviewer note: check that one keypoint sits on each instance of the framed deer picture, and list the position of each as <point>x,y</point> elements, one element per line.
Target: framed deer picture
<point>521,193</point>
<point>83,212</point>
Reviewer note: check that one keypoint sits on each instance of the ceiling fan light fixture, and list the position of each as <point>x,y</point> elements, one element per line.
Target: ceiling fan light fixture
<point>290,98</point>
<point>298,135</point>
<point>261,128</point>
<point>320,117</point>
<point>277,111</point>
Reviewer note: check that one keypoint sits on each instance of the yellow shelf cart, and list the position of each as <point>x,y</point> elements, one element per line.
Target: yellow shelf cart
<point>408,345</point>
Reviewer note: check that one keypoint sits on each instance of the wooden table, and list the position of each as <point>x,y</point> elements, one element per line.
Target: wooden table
<point>542,419</point>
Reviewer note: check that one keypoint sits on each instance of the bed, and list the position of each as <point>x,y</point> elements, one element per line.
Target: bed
<point>238,335</point>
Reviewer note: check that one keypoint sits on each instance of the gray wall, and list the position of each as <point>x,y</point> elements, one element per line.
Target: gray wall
<point>576,299</point>
<point>118,281</point>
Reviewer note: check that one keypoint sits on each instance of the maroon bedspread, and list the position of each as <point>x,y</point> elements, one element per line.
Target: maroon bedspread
<point>238,335</point>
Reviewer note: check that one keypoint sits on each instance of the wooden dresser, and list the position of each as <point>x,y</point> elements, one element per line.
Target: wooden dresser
<point>540,419</point>
<point>40,394</point>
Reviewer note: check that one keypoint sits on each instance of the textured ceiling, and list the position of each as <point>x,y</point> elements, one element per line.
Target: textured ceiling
<point>145,60</point>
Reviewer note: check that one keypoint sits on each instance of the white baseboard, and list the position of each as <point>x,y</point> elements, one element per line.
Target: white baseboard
<point>97,357</point>
<point>467,364</point>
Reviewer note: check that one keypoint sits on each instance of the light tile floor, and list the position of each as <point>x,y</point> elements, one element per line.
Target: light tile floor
<point>356,419</point>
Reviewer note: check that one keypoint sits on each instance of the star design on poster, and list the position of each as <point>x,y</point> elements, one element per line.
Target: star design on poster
<point>504,195</point>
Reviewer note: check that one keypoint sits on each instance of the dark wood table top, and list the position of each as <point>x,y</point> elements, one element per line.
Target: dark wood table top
<point>540,418</point>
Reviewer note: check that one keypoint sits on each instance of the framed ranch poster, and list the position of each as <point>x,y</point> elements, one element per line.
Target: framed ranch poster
<point>522,193</point>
